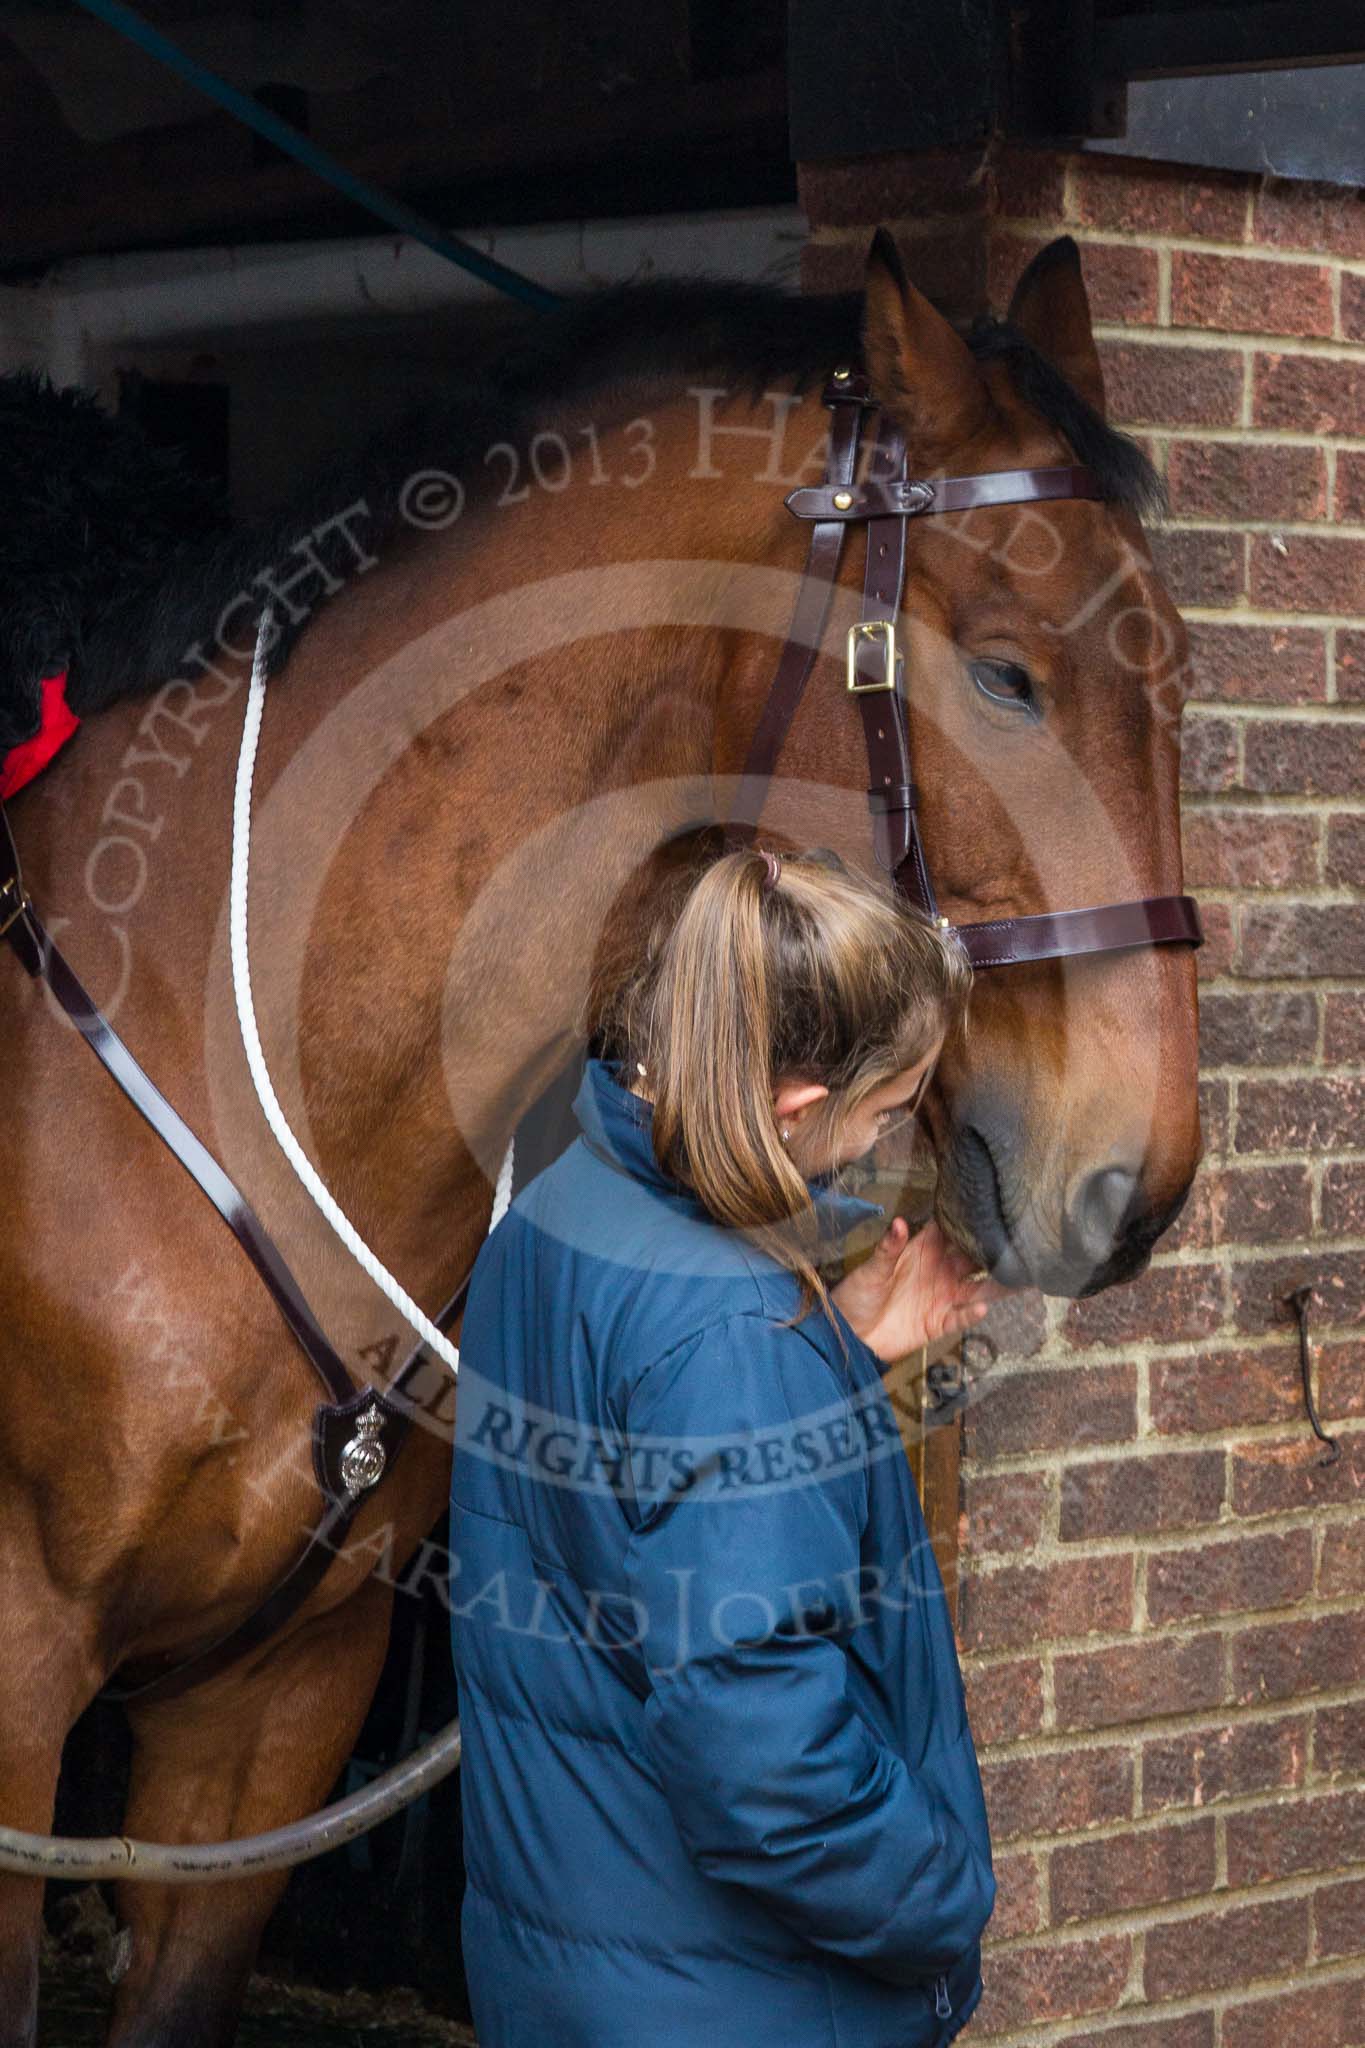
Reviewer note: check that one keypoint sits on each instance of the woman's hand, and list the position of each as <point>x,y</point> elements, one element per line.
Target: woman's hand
<point>911,1291</point>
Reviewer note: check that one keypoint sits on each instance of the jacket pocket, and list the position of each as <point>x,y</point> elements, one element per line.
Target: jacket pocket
<point>954,1776</point>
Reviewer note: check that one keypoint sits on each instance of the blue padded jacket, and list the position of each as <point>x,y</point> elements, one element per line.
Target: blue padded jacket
<point>718,1782</point>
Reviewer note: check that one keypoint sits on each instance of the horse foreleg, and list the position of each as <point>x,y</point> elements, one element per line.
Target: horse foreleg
<point>28,1786</point>
<point>246,1752</point>
<point>48,1679</point>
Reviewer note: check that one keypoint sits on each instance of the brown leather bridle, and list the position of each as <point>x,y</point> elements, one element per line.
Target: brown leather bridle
<point>356,1415</point>
<point>887,500</point>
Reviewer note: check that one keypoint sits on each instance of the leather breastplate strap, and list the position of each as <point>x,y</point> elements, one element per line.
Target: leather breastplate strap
<point>336,1420</point>
<point>886,499</point>
<point>44,960</point>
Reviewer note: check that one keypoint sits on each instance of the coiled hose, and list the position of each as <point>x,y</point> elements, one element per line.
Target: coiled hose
<point>66,1856</point>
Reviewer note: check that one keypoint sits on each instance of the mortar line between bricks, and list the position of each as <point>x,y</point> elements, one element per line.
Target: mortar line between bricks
<point>1171,1442</point>
<point>1249,437</point>
<point>1195,1721</point>
<point>1179,1912</point>
<point>1282,1070</point>
<point>1130,1737</point>
<point>914,227</point>
<point>1022,224</point>
<point>1282,1156</point>
<point>1210,1256</point>
<point>1134,238</point>
<point>1131,1993</point>
<point>1237,1533</point>
<point>1177,1445</point>
<point>1282,1246</point>
<point>1294,529</point>
<point>1184,1539</point>
<point>1346,1070</point>
<point>1180,1634</point>
<point>1116,1356</point>
<point>1319,1535</point>
<point>1116,1452</point>
<point>1252,1991</point>
<point>1242,613</point>
<point>1275,803</point>
<point>1330,652</point>
<point>1233,341</point>
<point>1284,714</point>
<point>1278,984</point>
<point>1099,2027</point>
<point>1123,1735</point>
<point>1304,895</point>
<point>1311,806</point>
<point>1238,807</point>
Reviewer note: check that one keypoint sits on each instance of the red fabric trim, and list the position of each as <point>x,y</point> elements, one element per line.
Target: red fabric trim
<point>56,723</point>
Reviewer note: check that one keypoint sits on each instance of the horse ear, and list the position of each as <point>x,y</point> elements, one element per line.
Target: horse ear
<point>1051,309</point>
<point>917,365</point>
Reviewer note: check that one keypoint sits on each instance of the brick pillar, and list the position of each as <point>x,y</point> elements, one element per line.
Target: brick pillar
<point>1163,1601</point>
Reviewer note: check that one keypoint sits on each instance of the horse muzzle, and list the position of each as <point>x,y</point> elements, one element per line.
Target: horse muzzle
<point>1094,1231</point>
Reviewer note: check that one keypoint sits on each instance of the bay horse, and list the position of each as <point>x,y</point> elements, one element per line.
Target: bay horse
<point>538,636</point>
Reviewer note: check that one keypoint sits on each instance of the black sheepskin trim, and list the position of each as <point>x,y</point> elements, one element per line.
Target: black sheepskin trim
<point>89,510</point>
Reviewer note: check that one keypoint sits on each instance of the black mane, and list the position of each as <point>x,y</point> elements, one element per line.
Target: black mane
<point>1126,476</point>
<point>662,330</point>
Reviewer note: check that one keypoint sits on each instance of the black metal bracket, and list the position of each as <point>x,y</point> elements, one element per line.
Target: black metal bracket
<point>946,1383</point>
<point>1298,1301</point>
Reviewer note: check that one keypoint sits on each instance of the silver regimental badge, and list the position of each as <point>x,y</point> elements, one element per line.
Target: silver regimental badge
<point>362,1458</point>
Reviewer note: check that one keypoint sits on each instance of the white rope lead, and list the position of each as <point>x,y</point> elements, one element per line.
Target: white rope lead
<point>251,1037</point>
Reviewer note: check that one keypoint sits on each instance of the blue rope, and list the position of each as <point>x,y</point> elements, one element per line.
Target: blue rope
<point>305,152</point>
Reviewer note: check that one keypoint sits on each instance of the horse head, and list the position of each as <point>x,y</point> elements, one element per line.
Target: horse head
<point>1045,671</point>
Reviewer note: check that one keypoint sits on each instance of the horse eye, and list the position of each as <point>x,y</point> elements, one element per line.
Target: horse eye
<point>1004,682</point>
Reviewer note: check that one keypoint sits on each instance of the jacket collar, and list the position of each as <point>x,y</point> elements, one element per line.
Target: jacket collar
<point>618,1125</point>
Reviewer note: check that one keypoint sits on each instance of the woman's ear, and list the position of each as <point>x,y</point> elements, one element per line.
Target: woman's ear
<point>918,365</point>
<point>791,1099</point>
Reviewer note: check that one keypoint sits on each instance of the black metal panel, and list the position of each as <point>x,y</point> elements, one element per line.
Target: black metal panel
<point>891,74</point>
<point>1292,124</point>
<point>925,74</point>
<point>1170,41</point>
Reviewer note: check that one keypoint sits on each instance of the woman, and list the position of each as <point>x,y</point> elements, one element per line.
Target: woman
<point>719,1787</point>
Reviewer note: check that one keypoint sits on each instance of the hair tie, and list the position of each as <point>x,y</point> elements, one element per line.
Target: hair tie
<point>774,861</point>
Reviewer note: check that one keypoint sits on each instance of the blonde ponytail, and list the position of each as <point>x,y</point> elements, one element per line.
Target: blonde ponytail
<point>814,971</point>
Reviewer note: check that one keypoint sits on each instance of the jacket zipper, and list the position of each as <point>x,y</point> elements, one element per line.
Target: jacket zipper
<point>942,2005</point>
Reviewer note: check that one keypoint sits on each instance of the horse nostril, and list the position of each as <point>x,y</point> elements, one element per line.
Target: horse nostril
<point>1106,1202</point>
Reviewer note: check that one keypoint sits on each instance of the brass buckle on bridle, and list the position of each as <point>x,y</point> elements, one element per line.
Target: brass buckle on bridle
<point>874,630</point>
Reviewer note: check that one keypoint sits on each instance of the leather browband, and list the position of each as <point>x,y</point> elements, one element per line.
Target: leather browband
<point>907,497</point>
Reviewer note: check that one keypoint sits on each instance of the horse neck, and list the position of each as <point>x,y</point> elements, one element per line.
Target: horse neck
<point>548,753</point>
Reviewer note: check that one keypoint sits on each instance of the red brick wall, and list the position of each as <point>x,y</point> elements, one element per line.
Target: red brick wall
<point>1163,1590</point>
